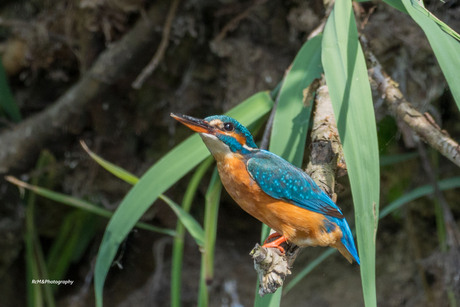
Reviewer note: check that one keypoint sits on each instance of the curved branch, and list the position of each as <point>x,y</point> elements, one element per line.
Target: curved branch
<point>27,137</point>
<point>422,124</point>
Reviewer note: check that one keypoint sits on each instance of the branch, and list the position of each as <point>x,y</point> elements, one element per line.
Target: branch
<point>422,124</point>
<point>26,138</point>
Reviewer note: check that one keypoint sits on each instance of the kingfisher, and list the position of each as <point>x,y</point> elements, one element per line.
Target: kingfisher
<point>271,189</point>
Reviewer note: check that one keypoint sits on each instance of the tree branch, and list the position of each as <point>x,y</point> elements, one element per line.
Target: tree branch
<point>26,138</point>
<point>422,124</point>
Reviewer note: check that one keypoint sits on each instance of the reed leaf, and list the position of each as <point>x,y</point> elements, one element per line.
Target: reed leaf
<point>346,76</point>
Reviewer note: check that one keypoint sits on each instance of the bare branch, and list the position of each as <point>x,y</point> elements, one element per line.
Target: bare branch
<point>422,124</point>
<point>27,137</point>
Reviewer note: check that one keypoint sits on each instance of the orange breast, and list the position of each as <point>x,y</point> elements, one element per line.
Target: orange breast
<point>300,226</point>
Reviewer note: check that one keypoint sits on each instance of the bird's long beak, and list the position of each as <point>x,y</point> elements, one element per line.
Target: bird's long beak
<point>196,124</point>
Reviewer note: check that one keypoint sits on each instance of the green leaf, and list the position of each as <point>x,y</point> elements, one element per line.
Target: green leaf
<point>193,227</point>
<point>81,204</point>
<point>306,270</point>
<point>158,179</point>
<point>110,167</point>
<point>210,226</point>
<point>446,184</point>
<point>443,40</point>
<point>178,244</point>
<point>7,102</point>
<point>349,89</point>
<point>290,124</point>
<point>397,4</point>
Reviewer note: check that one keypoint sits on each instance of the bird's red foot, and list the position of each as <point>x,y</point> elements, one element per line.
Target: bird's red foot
<point>274,240</point>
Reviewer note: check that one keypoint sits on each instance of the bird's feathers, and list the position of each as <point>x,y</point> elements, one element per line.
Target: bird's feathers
<point>282,180</point>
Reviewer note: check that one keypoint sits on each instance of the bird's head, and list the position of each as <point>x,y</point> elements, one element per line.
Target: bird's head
<point>221,134</point>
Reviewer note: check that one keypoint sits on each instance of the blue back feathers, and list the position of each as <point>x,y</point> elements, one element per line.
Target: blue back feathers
<point>282,180</point>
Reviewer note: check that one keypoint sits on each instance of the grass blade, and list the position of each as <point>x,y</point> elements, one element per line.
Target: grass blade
<point>110,167</point>
<point>290,124</point>
<point>178,244</point>
<point>443,40</point>
<point>210,226</point>
<point>193,227</point>
<point>425,190</point>
<point>346,76</point>
<point>81,204</point>
<point>306,270</point>
<point>159,178</point>
<point>210,223</point>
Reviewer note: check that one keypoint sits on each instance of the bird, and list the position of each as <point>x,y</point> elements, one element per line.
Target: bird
<point>271,189</point>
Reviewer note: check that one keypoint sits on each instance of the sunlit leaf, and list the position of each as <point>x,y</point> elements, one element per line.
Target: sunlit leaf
<point>349,89</point>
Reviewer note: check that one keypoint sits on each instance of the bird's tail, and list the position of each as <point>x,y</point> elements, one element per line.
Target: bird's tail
<point>347,245</point>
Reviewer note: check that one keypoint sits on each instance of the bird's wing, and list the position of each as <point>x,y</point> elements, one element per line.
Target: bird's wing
<point>282,180</point>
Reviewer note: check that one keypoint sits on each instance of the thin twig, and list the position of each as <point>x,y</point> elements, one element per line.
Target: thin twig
<point>159,54</point>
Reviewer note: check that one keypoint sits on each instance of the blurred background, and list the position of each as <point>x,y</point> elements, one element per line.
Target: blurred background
<point>214,55</point>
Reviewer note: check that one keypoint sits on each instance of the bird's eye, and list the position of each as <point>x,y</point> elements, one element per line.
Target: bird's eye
<point>228,127</point>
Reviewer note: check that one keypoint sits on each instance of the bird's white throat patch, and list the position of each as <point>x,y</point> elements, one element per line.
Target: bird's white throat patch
<point>215,146</point>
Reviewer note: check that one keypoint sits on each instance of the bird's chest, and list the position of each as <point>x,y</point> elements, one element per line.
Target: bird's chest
<point>240,185</point>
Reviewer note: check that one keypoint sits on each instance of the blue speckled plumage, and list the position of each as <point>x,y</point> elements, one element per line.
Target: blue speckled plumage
<point>282,180</point>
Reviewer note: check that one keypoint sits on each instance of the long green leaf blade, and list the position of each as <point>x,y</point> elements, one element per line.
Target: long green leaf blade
<point>193,227</point>
<point>290,124</point>
<point>346,76</point>
<point>178,244</point>
<point>110,167</point>
<point>156,180</point>
<point>443,40</point>
<point>81,204</point>
<point>210,226</point>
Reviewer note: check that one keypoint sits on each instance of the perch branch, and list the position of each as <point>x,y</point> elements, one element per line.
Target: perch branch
<point>159,54</point>
<point>272,267</point>
<point>326,152</point>
<point>422,124</point>
<point>26,138</point>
